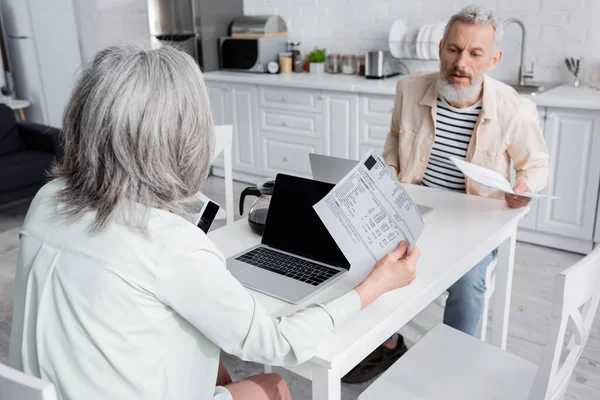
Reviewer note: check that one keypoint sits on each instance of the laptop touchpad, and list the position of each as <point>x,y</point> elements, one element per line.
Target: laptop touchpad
<point>274,284</point>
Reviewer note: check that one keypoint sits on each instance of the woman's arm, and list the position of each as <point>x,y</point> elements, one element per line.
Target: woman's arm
<point>200,289</point>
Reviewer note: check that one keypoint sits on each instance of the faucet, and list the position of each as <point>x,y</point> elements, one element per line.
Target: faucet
<point>523,73</point>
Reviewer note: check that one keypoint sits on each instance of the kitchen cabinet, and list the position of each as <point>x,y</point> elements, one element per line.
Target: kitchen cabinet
<point>291,126</point>
<point>529,221</point>
<point>235,104</point>
<point>277,127</point>
<point>573,139</point>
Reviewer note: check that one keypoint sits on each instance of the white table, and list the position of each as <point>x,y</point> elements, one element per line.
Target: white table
<point>461,230</point>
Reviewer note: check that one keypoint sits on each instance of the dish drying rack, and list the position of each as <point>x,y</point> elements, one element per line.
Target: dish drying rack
<point>412,50</point>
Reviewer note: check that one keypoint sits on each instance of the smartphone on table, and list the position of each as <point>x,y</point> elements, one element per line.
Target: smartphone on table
<point>207,215</point>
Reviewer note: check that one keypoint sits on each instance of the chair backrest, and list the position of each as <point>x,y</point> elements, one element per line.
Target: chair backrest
<point>17,385</point>
<point>576,297</point>
<point>224,144</point>
<point>223,139</point>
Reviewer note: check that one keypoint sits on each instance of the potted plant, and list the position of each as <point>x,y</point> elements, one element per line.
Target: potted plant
<point>316,58</point>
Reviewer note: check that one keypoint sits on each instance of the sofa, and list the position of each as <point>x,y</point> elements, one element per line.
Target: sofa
<point>27,152</point>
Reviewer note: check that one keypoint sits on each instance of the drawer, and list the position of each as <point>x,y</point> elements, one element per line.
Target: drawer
<point>290,123</point>
<point>363,148</point>
<point>373,133</point>
<point>291,99</point>
<point>377,107</point>
<point>279,154</point>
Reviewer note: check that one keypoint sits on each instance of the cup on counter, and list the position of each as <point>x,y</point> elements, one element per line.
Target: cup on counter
<point>285,62</point>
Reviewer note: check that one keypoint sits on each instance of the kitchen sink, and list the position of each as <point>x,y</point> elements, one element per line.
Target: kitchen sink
<point>532,89</point>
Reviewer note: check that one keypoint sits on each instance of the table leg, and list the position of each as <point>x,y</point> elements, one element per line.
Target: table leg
<point>504,276</point>
<point>21,114</point>
<point>326,383</point>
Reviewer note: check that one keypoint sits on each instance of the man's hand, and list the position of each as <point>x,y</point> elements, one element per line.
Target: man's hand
<point>518,201</point>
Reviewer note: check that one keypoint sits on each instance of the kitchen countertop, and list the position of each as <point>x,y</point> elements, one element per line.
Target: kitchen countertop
<point>324,81</point>
<point>565,95</point>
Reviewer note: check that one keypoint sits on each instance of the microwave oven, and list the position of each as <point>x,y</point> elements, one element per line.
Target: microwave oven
<point>250,54</point>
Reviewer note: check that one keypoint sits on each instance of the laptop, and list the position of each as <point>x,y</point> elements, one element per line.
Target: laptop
<point>297,256</point>
<point>332,169</point>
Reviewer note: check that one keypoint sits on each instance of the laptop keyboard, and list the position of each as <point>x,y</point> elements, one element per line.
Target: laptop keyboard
<point>295,268</point>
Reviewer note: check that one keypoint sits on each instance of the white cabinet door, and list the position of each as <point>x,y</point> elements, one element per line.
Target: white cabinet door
<point>219,95</point>
<point>235,104</point>
<point>573,138</point>
<point>530,220</point>
<point>340,127</point>
<point>375,120</point>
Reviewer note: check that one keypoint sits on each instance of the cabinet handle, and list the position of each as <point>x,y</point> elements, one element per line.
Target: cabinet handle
<point>321,97</point>
<point>227,88</point>
<point>285,98</point>
<point>284,123</point>
<point>285,159</point>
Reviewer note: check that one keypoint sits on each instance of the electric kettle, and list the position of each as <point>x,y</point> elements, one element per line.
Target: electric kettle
<point>257,216</point>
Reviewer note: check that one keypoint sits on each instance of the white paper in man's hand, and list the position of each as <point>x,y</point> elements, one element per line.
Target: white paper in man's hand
<point>492,179</point>
<point>368,213</point>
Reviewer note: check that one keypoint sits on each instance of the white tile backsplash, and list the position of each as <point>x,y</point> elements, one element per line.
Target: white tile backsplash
<point>555,28</point>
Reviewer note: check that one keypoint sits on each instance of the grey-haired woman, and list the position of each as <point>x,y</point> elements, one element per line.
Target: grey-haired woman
<point>118,294</point>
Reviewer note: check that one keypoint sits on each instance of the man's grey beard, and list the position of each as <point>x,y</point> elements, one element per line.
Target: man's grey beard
<point>459,95</point>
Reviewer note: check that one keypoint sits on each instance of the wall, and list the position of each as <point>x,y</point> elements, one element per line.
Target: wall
<point>555,28</point>
<point>105,22</point>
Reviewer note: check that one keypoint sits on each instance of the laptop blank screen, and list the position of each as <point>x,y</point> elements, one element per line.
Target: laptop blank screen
<point>294,226</point>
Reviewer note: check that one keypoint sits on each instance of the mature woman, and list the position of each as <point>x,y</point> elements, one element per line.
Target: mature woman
<point>118,295</point>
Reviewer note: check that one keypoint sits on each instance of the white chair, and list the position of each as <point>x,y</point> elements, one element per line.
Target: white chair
<point>223,144</point>
<point>17,385</point>
<point>448,364</point>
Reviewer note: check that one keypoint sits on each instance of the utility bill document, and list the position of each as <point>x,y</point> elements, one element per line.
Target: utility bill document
<point>368,213</point>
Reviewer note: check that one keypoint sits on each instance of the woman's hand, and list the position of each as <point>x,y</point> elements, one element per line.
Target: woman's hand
<point>393,271</point>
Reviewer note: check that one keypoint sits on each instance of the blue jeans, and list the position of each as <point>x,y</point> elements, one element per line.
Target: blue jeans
<point>464,306</point>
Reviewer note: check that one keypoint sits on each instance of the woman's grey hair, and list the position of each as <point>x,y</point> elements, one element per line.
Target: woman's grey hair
<point>477,15</point>
<point>138,130</point>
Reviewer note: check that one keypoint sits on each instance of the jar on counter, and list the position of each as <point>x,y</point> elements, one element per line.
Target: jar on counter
<point>285,62</point>
<point>333,64</point>
<point>297,61</point>
<point>348,64</point>
<point>360,65</point>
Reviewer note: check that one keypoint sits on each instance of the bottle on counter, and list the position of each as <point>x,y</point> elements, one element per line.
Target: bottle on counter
<point>297,60</point>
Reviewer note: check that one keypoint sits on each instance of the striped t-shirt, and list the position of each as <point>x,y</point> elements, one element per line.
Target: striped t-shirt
<point>454,127</point>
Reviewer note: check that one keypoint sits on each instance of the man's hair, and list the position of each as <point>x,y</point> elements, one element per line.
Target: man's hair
<point>138,135</point>
<point>477,15</point>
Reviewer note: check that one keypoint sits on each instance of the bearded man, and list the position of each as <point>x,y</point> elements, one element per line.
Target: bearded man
<point>461,112</point>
